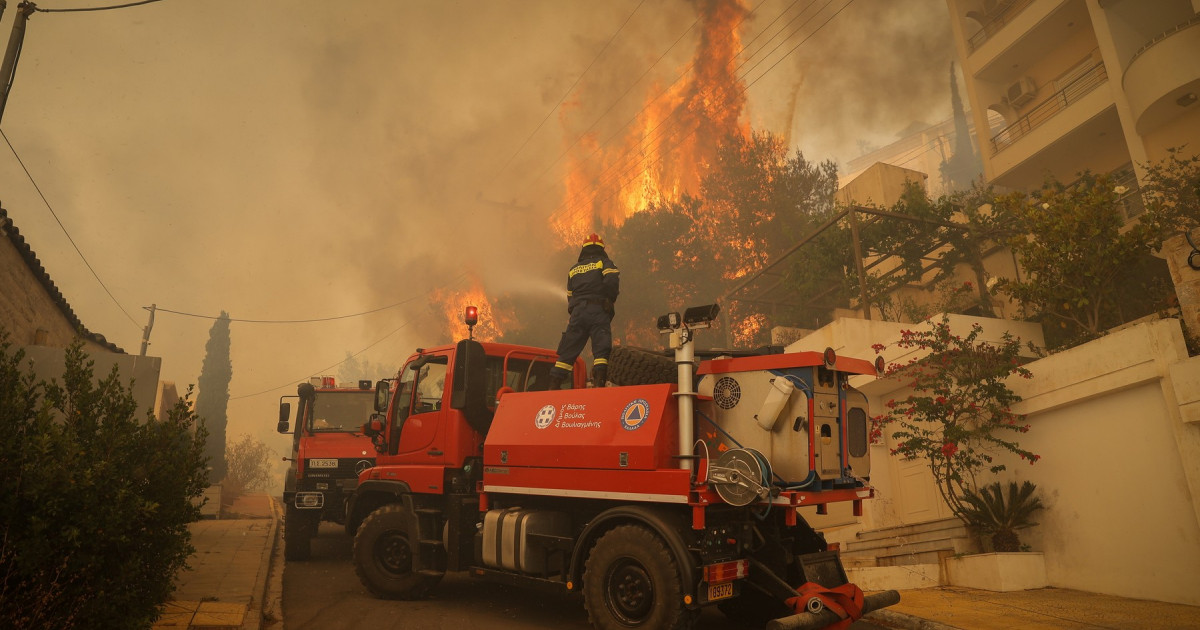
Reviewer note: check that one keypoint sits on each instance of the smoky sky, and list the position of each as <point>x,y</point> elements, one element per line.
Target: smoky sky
<point>295,159</point>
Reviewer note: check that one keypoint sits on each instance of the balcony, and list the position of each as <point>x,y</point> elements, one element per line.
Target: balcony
<point>994,20</point>
<point>1163,77</point>
<point>1083,85</point>
<point>1125,185</point>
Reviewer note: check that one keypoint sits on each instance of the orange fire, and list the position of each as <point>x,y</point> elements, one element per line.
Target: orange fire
<point>451,304</point>
<point>675,140</point>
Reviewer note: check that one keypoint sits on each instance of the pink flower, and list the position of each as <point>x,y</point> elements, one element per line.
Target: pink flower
<point>949,449</point>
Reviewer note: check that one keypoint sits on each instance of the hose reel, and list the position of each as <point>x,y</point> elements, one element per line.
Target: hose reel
<point>738,476</point>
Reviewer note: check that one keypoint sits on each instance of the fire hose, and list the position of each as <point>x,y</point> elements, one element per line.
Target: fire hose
<point>823,617</point>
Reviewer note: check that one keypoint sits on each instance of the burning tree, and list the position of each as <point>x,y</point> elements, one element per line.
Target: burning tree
<point>754,201</point>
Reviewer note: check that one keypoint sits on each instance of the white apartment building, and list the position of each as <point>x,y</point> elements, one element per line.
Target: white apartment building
<point>1101,85</point>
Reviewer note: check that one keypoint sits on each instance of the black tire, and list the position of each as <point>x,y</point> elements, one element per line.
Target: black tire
<point>383,556</point>
<point>635,366</point>
<point>631,580</point>
<point>298,531</point>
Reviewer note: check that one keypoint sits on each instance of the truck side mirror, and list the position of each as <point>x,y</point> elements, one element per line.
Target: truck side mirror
<point>374,425</point>
<point>470,384</point>
<point>285,412</point>
<point>382,396</point>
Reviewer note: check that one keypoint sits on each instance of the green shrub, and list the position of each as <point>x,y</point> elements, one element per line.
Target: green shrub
<point>94,504</point>
<point>992,515</point>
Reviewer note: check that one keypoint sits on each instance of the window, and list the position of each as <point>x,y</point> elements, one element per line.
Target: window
<point>431,383</point>
<point>337,411</point>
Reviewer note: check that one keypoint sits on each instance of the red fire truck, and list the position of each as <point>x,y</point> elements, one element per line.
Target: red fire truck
<point>329,451</point>
<point>652,500</point>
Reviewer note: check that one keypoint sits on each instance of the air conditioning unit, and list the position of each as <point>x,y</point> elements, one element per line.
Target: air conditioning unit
<point>1020,93</point>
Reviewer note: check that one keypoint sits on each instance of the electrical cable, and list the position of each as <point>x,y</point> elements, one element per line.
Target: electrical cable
<point>76,10</point>
<point>324,369</point>
<point>64,229</point>
<point>160,309</point>
<point>299,321</point>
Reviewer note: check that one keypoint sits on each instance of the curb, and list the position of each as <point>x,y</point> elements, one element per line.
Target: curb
<point>904,621</point>
<point>260,606</point>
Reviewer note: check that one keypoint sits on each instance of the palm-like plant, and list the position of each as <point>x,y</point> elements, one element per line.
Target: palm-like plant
<point>990,512</point>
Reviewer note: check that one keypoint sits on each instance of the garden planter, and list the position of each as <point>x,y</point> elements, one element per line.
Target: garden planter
<point>998,571</point>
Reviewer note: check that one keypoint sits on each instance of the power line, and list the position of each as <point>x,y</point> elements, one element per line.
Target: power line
<point>115,6</point>
<point>324,369</point>
<point>287,321</point>
<point>569,90</point>
<point>64,229</point>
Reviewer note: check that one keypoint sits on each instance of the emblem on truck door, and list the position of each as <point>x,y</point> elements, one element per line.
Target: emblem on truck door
<point>635,414</point>
<point>544,417</point>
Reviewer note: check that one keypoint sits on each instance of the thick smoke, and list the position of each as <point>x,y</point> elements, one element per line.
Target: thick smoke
<point>290,159</point>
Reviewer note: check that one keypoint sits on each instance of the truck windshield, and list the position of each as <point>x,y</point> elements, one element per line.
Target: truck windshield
<point>341,411</point>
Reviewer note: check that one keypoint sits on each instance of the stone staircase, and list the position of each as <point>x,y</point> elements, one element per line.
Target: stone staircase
<point>922,543</point>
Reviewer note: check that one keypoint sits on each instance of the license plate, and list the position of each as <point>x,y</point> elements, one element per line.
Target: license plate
<point>323,463</point>
<point>720,591</point>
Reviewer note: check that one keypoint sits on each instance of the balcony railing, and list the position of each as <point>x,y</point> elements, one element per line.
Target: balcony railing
<point>996,20</point>
<point>1047,109</point>
<point>1130,200</point>
<point>1163,35</point>
<point>1125,184</point>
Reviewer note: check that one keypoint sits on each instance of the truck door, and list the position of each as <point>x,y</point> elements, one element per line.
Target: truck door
<point>417,410</point>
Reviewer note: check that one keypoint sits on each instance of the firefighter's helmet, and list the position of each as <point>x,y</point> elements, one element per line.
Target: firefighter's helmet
<point>593,239</point>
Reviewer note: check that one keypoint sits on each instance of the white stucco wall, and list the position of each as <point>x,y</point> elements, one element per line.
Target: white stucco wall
<point>1120,467</point>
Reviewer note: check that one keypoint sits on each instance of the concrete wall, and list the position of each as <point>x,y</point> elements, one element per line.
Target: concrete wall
<point>49,363</point>
<point>27,311</point>
<point>1117,423</point>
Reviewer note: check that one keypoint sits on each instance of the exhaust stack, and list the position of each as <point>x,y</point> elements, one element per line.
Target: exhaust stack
<point>681,340</point>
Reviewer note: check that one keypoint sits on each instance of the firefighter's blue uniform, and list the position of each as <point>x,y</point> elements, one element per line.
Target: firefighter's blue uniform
<point>593,285</point>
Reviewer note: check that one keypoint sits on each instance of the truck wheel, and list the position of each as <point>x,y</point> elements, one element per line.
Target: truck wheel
<point>635,366</point>
<point>383,557</point>
<point>298,531</point>
<point>631,580</point>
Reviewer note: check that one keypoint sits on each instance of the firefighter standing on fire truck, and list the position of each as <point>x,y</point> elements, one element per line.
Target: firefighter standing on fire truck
<point>593,284</point>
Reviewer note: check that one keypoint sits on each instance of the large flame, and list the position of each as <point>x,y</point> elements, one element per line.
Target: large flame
<point>675,140</point>
<point>451,304</point>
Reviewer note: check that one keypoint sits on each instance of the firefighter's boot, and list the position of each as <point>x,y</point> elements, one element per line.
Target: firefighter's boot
<point>600,376</point>
<point>555,382</point>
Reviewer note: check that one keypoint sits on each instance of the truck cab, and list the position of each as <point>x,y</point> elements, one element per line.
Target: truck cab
<point>430,429</point>
<point>329,450</point>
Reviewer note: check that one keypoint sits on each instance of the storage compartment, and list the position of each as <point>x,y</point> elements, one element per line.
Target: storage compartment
<point>507,541</point>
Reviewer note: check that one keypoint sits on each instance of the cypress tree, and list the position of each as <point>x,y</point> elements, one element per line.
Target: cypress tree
<point>213,399</point>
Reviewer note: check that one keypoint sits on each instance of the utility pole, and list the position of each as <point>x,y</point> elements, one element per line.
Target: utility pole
<point>147,329</point>
<point>8,69</point>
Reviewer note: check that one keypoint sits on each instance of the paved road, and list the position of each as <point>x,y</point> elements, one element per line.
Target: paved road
<point>323,593</point>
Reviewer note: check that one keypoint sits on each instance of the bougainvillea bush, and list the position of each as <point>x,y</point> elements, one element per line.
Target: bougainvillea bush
<point>959,416</point>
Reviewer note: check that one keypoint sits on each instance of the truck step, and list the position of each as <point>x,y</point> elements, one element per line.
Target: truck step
<point>429,511</point>
<point>430,573</point>
<point>430,542</point>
